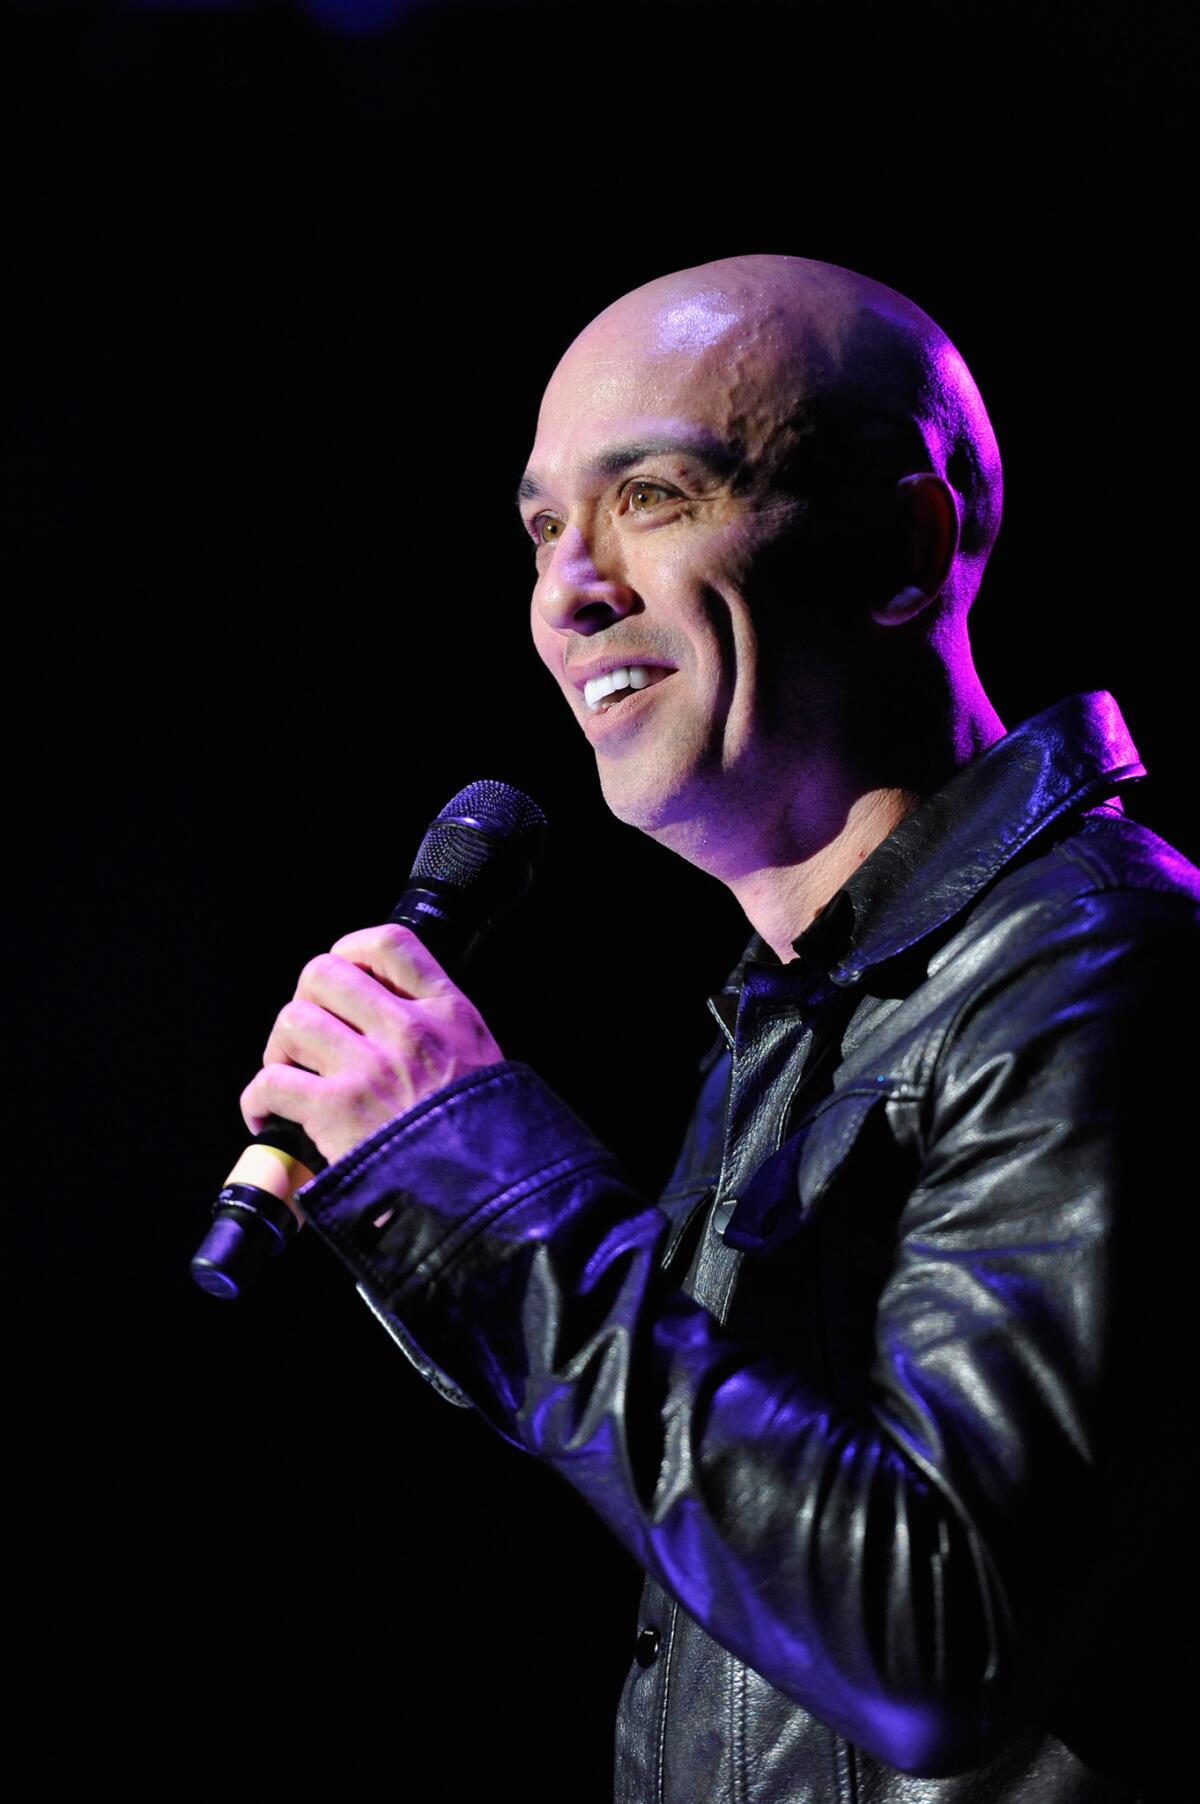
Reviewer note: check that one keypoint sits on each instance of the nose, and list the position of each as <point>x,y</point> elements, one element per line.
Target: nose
<point>579,592</point>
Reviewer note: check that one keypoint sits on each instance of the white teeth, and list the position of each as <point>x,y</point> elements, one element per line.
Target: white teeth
<point>598,687</point>
<point>634,676</point>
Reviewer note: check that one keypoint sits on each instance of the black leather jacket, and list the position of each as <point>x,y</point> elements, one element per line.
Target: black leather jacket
<point>862,1393</point>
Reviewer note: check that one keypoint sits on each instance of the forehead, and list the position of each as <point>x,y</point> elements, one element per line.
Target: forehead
<point>696,364</point>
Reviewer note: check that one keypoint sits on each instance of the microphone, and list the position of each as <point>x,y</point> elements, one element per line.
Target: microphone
<point>474,863</point>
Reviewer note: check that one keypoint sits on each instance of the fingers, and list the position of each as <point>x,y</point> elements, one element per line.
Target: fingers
<point>374,1027</point>
<point>306,1035</point>
<point>343,1012</point>
<point>279,1090</point>
<point>355,997</point>
<point>395,957</point>
<point>354,990</point>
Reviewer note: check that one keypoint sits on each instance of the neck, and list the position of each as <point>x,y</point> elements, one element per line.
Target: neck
<point>786,875</point>
<point>780,900</point>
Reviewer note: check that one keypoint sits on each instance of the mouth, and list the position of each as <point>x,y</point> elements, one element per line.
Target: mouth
<point>614,687</point>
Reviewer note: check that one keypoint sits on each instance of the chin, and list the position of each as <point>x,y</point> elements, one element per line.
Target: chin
<point>672,807</point>
<point>644,805</point>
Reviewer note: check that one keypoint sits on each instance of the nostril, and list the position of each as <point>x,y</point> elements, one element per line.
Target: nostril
<point>593,615</point>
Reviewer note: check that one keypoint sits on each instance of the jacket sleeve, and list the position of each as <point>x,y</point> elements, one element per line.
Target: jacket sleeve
<point>902,1567</point>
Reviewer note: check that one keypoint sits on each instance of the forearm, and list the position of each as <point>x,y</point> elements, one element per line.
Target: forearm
<point>502,1236</point>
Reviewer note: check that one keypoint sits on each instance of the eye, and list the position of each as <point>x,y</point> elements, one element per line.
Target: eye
<point>641,496</point>
<point>545,529</point>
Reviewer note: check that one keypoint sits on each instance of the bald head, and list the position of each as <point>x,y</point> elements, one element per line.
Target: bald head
<point>827,384</point>
<point>760,498</point>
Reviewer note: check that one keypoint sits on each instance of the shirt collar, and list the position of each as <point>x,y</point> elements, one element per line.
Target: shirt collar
<point>960,838</point>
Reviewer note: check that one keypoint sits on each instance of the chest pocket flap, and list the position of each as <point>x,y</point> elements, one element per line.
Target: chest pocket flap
<point>781,1195</point>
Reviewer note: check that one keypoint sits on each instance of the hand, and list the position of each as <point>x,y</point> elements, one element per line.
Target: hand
<point>374,1027</point>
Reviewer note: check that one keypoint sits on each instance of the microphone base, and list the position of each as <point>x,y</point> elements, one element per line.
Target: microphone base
<point>250,1226</point>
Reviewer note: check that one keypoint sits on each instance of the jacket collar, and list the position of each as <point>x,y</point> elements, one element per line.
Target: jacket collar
<point>960,838</point>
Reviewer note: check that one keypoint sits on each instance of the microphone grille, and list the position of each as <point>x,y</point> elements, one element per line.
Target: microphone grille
<point>495,807</point>
<point>487,827</point>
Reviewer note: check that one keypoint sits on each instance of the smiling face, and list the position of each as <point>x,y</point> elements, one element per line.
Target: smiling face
<point>669,559</point>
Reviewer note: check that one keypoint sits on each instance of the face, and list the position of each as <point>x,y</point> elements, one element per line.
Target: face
<point>665,551</point>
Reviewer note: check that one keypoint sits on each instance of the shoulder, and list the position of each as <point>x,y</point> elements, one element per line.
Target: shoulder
<point>1103,879</point>
<point>1064,988</point>
<point>1119,853</point>
<point>1084,943</point>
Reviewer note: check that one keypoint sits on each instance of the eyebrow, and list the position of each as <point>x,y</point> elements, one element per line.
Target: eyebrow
<point>701,447</point>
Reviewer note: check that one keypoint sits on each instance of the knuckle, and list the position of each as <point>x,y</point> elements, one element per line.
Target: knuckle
<point>317,968</point>
<point>377,1070</point>
<point>354,1092</point>
<point>400,937</point>
<point>345,944</point>
<point>425,1047</point>
<point>291,1015</point>
<point>460,1014</point>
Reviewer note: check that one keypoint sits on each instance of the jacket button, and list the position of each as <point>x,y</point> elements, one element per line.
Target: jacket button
<point>723,1214</point>
<point>645,1650</point>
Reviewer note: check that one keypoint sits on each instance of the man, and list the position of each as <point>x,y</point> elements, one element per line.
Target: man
<point>857,1392</point>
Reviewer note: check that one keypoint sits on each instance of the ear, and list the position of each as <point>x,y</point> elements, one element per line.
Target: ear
<point>928,541</point>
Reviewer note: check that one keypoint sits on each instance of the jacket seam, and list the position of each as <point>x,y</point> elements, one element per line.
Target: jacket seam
<point>663,1709</point>
<point>705,1180</point>
<point>1105,883</point>
<point>1101,879</point>
<point>737,1732</point>
<point>848,1769</point>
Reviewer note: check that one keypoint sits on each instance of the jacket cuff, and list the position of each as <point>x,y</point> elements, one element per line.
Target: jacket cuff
<point>405,1203</point>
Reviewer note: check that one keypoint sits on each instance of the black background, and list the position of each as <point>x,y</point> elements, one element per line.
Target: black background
<point>285,300</point>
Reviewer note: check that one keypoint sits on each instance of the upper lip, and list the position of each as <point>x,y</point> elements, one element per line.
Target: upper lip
<point>582,674</point>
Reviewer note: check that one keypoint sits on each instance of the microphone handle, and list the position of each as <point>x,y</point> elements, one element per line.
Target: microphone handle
<point>254,1217</point>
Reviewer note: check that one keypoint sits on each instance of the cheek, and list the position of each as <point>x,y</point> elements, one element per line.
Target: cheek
<point>711,580</point>
<point>722,555</point>
<point>674,572</point>
<point>747,547</point>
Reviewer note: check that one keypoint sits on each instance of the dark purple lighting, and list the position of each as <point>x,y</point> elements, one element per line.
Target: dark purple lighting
<point>351,17</point>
